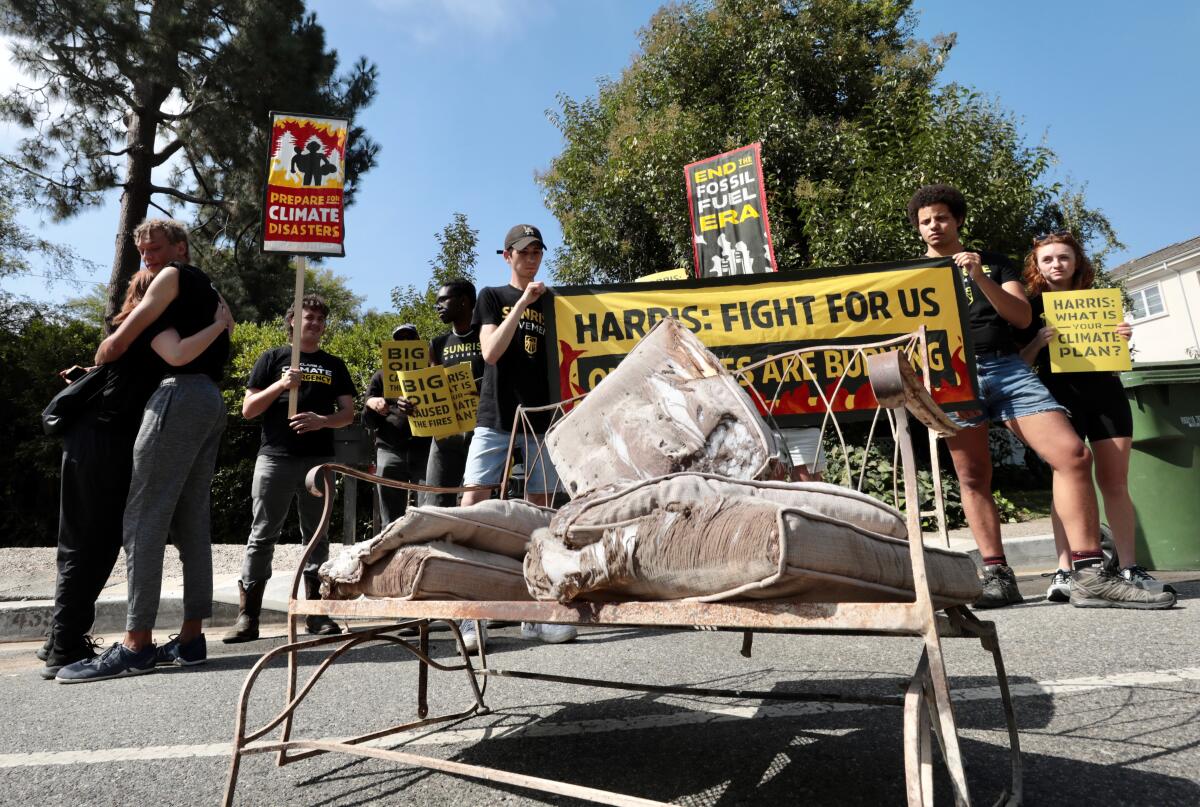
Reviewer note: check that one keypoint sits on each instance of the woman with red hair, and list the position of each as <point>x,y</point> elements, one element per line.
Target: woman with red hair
<point>1096,400</point>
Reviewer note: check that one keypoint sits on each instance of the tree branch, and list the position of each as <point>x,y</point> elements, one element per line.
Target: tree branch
<point>161,157</point>
<point>187,197</point>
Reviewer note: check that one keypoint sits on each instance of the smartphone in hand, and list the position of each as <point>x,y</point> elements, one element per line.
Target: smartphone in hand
<point>73,373</point>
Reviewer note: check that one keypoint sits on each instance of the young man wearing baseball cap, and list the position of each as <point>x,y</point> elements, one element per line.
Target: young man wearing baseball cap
<point>512,334</point>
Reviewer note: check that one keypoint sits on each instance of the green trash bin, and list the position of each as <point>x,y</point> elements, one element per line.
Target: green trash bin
<point>1164,468</point>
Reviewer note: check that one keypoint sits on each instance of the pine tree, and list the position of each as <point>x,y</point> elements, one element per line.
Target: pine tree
<point>167,100</point>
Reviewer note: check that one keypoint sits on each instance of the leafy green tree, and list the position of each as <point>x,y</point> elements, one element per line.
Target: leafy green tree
<point>846,104</point>
<point>457,255</point>
<point>36,341</point>
<point>168,100</point>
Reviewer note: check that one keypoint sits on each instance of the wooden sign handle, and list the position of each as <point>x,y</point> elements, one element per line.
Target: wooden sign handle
<point>297,320</point>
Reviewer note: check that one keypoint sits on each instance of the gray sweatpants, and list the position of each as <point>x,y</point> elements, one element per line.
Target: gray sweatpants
<point>173,460</point>
<point>277,481</point>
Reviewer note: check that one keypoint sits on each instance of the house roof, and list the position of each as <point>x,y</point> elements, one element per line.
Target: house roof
<point>1161,256</point>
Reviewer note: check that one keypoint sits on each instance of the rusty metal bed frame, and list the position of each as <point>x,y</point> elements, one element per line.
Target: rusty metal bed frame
<point>928,712</point>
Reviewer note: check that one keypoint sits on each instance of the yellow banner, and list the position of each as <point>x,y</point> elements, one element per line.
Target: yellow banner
<point>749,318</point>
<point>1086,324</point>
<point>666,274</point>
<point>401,356</point>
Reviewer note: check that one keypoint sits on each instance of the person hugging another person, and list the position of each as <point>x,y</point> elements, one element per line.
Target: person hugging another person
<point>174,455</point>
<point>291,446</point>
<point>1011,393</point>
<point>1099,409</point>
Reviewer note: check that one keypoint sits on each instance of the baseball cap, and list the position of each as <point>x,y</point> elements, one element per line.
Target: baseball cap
<point>521,236</point>
<point>408,326</point>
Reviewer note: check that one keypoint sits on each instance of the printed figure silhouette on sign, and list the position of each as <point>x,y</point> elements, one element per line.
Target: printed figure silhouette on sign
<point>314,165</point>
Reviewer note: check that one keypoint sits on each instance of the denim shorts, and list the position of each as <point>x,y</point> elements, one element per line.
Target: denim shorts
<point>804,447</point>
<point>489,448</point>
<point>1009,389</point>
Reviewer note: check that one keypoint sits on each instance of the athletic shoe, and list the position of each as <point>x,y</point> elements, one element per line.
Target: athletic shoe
<point>999,588</point>
<point>548,633</point>
<point>115,662</point>
<point>1092,587</point>
<point>182,654</point>
<point>471,639</point>
<point>43,652</point>
<point>1060,586</point>
<point>1142,579</point>
<point>64,651</point>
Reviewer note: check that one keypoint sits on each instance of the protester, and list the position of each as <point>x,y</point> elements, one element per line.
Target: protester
<point>290,448</point>
<point>397,452</point>
<point>1099,409</point>
<point>448,455</point>
<point>174,456</point>
<point>96,465</point>
<point>512,336</point>
<point>1011,393</point>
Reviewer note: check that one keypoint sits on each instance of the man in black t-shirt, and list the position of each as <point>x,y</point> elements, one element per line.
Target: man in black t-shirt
<point>397,453</point>
<point>290,448</point>
<point>1011,393</point>
<point>448,455</point>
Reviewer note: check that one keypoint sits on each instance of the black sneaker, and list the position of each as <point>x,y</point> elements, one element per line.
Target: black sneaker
<point>1142,579</point>
<point>115,662</point>
<point>43,652</point>
<point>999,588</point>
<point>1094,588</point>
<point>64,651</point>
<point>182,654</point>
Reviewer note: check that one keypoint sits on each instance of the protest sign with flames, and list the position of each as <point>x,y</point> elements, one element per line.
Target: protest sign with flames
<point>749,318</point>
<point>303,208</point>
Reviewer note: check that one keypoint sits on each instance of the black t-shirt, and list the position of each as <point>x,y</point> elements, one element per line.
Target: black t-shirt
<point>450,349</point>
<point>519,377</point>
<point>131,381</point>
<point>1073,390</point>
<point>192,311</point>
<point>325,380</point>
<point>392,431</point>
<point>990,332</point>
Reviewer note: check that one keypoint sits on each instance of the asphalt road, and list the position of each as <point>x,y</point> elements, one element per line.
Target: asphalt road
<point>1108,703</point>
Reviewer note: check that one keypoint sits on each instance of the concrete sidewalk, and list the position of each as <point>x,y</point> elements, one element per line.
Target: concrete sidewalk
<point>27,579</point>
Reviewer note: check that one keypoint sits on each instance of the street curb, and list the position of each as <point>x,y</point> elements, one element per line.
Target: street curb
<point>28,620</point>
<point>1027,554</point>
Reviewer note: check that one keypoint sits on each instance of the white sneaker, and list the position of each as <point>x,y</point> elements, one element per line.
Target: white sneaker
<point>471,639</point>
<point>1060,586</point>
<point>547,632</point>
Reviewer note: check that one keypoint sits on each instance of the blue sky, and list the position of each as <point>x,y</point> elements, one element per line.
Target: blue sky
<point>465,86</point>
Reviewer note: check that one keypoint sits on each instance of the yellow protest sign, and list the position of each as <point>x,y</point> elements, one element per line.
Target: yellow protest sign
<point>667,274</point>
<point>746,318</point>
<point>1086,324</point>
<point>464,395</point>
<point>433,409</point>
<point>401,356</point>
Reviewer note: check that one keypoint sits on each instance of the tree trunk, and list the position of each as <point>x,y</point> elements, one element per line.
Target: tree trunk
<point>135,198</point>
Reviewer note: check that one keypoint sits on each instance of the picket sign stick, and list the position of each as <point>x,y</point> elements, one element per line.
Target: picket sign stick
<point>297,320</point>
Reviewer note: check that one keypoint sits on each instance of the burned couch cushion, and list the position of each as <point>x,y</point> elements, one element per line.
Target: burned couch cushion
<point>497,526</point>
<point>435,571</point>
<point>695,537</point>
<point>668,406</point>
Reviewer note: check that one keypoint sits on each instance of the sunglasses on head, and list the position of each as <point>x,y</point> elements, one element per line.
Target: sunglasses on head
<point>1052,234</point>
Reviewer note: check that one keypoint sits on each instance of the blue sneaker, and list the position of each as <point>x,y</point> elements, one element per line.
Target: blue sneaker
<point>115,662</point>
<point>182,654</point>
